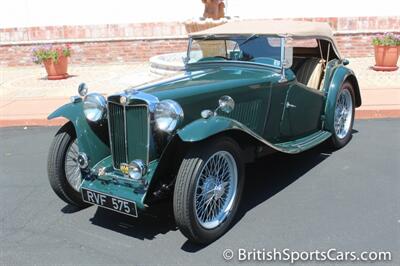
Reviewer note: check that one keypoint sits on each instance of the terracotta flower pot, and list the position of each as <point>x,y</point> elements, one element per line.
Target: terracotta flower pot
<point>386,58</point>
<point>56,70</point>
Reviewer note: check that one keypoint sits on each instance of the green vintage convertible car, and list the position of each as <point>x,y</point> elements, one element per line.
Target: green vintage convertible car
<point>249,88</point>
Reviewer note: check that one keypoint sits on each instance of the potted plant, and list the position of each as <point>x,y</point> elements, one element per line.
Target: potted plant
<point>387,50</point>
<point>54,59</point>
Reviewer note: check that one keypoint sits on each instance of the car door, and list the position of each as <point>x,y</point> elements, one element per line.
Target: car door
<point>302,111</point>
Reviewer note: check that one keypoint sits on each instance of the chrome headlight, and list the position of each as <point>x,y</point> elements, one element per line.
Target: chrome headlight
<point>94,107</point>
<point>167,115</point>
<point>137,169</point>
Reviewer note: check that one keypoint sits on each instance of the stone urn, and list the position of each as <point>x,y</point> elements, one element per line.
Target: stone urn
<point>200,24</point>
<point>213,15</point>
<point>214,9</point>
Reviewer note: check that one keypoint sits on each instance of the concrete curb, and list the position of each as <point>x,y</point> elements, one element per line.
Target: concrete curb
<point>32,122</point>
<point>360,114</point>
<point>377,114</point>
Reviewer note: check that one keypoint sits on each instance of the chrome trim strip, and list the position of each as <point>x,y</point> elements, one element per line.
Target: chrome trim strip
<point>283,75</point>
<point>231,62</point>
<point>109,133</point>
<point>125,135</point>
<point>132,93</point>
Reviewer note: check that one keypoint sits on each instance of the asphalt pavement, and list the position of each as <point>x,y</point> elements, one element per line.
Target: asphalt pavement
<point>347,200</point>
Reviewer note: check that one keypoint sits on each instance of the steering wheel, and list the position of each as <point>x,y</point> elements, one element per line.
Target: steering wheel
<point>211,58</point>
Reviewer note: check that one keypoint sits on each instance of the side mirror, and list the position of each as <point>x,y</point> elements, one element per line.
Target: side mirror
<point>288,61</point>
<point>226,104</point>
<point>82,89</point>
<point>345,61</point>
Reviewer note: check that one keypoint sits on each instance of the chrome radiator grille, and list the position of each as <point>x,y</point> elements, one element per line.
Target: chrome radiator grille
<point>129,132</point>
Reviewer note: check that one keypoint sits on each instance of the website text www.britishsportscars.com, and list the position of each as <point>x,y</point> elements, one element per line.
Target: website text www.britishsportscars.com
<point>293,256</point>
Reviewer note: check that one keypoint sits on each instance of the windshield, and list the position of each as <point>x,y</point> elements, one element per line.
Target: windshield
<point>252,48</point>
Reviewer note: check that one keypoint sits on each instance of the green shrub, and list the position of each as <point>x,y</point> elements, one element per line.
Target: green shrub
<point>388,39</point>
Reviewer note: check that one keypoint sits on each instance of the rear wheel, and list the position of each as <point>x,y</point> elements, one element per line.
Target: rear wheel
<point>208,188</point>
<point>343,116</point>
<point>63,168</point>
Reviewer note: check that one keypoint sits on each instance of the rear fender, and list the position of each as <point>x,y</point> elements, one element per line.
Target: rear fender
<point>340,75</point>
<point>88,141</point>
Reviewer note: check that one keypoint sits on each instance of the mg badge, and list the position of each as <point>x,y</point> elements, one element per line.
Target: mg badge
<point>122,100</point>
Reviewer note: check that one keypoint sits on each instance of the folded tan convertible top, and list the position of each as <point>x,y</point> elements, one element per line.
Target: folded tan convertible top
<point>275,28</point>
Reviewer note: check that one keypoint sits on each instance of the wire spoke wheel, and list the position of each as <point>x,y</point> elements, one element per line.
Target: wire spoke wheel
<point>343,114</point>
<point>208,189</point>
<point>216,189</point>
<point>63,168</point>
<point>71,166</point>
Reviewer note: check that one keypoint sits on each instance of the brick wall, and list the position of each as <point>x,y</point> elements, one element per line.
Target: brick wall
<point>98,52</point>
<point>137,42</point>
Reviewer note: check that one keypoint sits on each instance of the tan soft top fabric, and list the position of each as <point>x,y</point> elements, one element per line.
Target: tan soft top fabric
<point>271,27</point>
<point>292,28</point>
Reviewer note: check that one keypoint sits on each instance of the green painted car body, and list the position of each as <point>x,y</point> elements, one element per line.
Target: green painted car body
<point>263,119</point>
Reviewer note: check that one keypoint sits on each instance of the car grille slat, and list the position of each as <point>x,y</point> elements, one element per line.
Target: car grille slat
<point>128,140</point>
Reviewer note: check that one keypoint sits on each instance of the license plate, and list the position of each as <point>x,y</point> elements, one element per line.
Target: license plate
<point>110,202</point>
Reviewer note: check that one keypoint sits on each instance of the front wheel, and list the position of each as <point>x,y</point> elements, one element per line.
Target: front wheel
<point>343,116</point>
<point>208,189</point>
<point>63,167</point>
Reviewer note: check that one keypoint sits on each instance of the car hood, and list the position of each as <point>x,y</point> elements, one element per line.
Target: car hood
<point>209,79</point>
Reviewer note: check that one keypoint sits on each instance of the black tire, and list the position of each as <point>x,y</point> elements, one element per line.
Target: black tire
<point>184,192</point>
<point>56,166</point>
<point>337,142</point>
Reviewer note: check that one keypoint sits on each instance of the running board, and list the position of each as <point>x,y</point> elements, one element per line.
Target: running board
<point>305,143</point>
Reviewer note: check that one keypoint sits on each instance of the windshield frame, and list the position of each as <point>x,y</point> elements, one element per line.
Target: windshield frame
<point>228,37</point>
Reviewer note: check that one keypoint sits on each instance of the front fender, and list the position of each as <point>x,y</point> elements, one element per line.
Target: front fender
<point>88,141</point>
<point>340,75</point>
<point>204,128</point>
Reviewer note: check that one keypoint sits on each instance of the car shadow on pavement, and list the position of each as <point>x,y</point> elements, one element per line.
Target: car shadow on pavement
<point>68,209</point>
<point>156,220</point>
<point>268,176</point>
<point>265,177</point>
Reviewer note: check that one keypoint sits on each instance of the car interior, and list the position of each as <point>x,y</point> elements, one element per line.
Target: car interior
<point>309,63</point>
<point>310,56</point>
